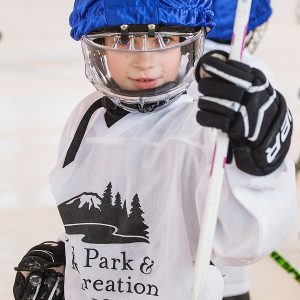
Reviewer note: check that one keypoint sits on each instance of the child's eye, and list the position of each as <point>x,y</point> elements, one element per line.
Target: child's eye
<point>167,40</point>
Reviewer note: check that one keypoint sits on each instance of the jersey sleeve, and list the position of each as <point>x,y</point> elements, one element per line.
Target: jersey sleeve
<point>256,214</point>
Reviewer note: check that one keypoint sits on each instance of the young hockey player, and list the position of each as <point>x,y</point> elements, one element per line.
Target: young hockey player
<point>135,157</point>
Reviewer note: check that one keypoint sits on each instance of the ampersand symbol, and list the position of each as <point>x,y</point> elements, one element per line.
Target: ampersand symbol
<point>146,266</point>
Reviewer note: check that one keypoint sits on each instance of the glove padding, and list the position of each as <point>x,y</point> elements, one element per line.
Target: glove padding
<point>40,273</point>
<point>241,102</point>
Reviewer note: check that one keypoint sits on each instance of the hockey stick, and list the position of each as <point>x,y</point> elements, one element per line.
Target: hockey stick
<point>210,213</point>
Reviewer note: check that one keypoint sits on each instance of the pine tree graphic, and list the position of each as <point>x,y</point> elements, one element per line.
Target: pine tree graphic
<point>123,220</point>
<point>136,222</point>
<point>106,206</point>
<point>117,207</point>
<point>102,221</point>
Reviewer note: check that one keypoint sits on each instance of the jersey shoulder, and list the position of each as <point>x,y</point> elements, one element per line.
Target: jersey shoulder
<point>76,115</point>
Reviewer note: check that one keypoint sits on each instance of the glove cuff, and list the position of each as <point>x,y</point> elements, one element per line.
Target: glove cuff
<point>266,157</point>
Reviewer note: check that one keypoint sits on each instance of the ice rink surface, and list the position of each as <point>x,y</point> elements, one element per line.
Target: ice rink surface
<point>41,81</point>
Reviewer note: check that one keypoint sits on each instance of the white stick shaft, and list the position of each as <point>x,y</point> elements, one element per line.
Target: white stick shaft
<point>240,29</point>
<point>210,213</point>
<point>209,218</point>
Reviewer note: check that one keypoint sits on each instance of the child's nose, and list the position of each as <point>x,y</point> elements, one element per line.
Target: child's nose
<point>143,60</point>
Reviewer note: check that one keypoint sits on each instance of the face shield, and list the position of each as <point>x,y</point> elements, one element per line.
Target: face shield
<point>142,69</point>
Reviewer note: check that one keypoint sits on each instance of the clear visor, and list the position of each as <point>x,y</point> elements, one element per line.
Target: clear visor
<point>142,73</point>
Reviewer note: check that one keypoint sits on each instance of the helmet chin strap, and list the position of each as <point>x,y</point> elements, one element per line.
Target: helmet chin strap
<point>143,107</point>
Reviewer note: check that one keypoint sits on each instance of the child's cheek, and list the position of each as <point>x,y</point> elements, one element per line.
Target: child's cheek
<point>171,63</point>
<point>116,65</point>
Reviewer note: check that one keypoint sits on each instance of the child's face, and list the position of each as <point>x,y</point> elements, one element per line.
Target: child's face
<point>135,71</point>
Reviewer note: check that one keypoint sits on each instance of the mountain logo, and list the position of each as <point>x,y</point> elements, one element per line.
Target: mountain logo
<point>103,222</point>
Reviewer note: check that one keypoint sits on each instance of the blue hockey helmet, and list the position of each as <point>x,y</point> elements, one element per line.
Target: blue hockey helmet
<point>91,15</point>
<point>224,14</point>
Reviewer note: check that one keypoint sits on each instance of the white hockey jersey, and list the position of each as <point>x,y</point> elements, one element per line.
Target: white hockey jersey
<point>132,198</point>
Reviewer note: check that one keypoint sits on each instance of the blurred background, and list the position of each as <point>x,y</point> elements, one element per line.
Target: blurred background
<point>42,79</point>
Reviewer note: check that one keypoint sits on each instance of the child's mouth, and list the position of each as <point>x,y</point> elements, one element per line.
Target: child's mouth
<point>145,83</point>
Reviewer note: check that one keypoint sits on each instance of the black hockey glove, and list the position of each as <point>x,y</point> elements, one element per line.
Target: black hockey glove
<point>240,101</point>
<point>40,273</point>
